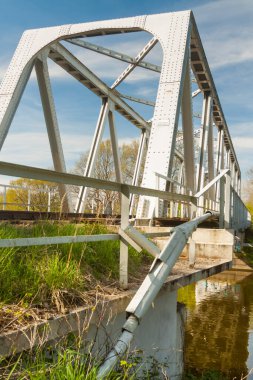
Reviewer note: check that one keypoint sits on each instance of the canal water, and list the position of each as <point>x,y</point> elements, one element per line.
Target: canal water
<point>219,325</point>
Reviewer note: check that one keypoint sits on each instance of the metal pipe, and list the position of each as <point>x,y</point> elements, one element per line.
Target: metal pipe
<point>149,289</point>
<point>122,345</point>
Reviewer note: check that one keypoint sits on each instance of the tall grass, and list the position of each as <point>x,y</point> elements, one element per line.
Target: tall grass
<point>34,274</point>
<point>68,362</point>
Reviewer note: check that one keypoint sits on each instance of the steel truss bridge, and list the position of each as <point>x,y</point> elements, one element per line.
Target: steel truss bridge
<point>209,176</point>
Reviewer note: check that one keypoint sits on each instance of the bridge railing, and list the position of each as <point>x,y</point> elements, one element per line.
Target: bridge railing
<point>26,203</point>
<point>232,210</point>
<point>72,179</point>
<point>218,196</point>
<point>240,215</point>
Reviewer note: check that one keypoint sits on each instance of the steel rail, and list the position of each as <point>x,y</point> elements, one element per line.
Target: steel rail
<point>28,242</point>
<point>138,100</point>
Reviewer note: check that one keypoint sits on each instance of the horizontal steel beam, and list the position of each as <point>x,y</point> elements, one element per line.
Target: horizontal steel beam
<point>28,242</point>
<point>60,55</point>
<point>138,100</point>
<point>113,54</point>
<point>7,168</point>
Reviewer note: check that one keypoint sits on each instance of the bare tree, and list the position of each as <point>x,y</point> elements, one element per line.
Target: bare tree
<point>108,201</point>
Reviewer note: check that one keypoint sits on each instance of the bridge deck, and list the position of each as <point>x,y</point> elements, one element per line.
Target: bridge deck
<point>19,216</point>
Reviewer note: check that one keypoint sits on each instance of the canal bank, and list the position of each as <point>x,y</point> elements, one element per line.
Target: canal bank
<point>160,335</point>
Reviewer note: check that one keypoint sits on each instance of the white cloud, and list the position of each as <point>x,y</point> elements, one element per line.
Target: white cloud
<point>33,148</point>
<point>243,143</point>
<point>226,28</point>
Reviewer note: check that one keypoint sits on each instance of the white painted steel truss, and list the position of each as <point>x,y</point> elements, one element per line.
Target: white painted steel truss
<point>183,54</point>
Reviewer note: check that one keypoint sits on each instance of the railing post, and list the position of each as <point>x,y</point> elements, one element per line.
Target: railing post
<point>29,200</point>
<point>123,264</point>
<point>4,198</point>
<point>192,252</point>
<point>49,200</point>
<point>227,210</point>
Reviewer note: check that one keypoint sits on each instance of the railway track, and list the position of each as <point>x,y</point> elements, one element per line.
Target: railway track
<point>20,216</point>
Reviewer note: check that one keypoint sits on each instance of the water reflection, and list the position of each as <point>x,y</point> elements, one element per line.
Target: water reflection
<point>219,324</point>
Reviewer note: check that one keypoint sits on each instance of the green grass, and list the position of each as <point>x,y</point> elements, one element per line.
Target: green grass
<point>35,274</point>
<point>70,360</point>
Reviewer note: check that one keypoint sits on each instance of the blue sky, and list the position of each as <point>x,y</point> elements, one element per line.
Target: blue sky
<point>226,29</point>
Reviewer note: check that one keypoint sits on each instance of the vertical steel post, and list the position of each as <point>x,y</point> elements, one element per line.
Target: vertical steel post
<point>219,150</point>
<point>201,139</point>
<point>232,165</point>
<point>206,116</point>
<point>115,148</point>
<point>211,157</point>
<point>123,265</point>
<point>222,202</point>
<point>188,136</point>
<point>83,192</point>
<point>236,180</point>
<point>220,161</point>
<point>239,185</point>
<point>137,169</point>
<point>29,200</point>
<point>48,200</point>
<point>4,198</point>
<point>52,126</point>
<point>227,159</point>
<point>227,212</point>
<point>179,188</point>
